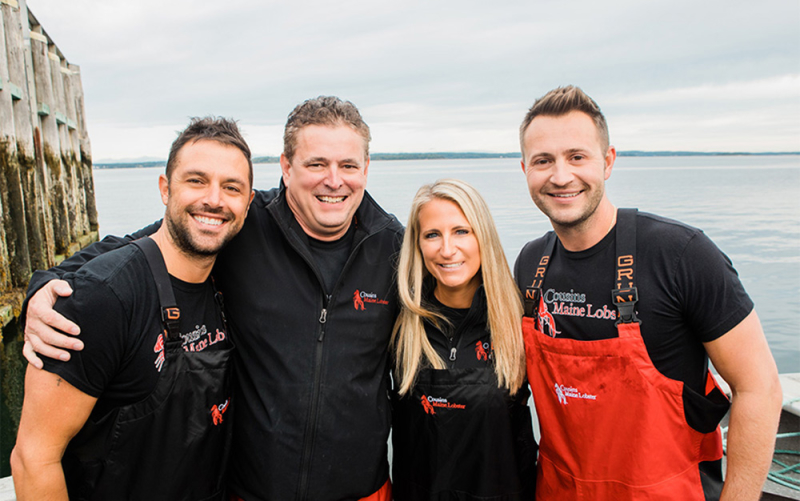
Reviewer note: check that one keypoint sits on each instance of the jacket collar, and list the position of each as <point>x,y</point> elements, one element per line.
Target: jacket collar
<point>369,218</point>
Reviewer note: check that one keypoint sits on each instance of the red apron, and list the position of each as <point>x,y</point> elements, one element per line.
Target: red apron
<point>613,427</point>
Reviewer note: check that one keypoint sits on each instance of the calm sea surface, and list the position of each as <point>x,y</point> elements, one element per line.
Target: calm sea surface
<point>749,206</point>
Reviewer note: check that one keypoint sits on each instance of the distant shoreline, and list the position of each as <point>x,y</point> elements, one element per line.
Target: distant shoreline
<point>463,156</point>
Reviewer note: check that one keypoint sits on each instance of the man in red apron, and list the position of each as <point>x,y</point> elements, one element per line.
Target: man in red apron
<point>623,312</point>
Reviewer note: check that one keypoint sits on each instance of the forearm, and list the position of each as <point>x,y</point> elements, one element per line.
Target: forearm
<point>751,440</point>
<point>37,480</point>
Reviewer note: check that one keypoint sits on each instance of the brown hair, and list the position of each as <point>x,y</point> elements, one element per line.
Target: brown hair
<point>219,129</point>
<point>558,102</point>
<point>323,110</point>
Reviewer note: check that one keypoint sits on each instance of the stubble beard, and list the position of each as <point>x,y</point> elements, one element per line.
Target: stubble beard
<point>185,241</point>
<point>574,222</point>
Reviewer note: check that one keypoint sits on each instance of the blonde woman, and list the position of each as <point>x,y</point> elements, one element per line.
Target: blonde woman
<point>461,425</point>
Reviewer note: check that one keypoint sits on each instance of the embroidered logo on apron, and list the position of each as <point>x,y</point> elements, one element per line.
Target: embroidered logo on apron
<point>563,392</point>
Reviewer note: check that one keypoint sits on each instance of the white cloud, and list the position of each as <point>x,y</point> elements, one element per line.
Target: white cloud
<point>436,75</point>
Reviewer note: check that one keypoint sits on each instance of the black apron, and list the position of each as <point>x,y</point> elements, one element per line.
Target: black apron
<point>174,444</point>
<point>457,436</point>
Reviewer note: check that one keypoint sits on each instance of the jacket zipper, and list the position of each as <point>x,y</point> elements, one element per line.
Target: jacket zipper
<point>311,424</point>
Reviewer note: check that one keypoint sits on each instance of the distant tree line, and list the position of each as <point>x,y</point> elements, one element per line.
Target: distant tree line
<point>468,155</point>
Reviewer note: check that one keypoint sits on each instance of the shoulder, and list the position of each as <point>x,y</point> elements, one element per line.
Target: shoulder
<point>263,198</point>
<point>534,248</point>
<point>376,218</point>
<point>530,255</point>
<point>121,266</point>
<point>674,240</point>
<point>658,227</point>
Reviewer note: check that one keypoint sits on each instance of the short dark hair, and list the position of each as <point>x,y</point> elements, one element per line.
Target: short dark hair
<point>323,110</point>
<point>558,102</point>
<point>219,129</point>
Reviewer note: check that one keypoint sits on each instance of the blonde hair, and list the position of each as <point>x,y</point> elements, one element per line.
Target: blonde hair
<point>409,340</point>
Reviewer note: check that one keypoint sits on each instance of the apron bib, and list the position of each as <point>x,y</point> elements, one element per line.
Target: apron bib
<point>174,444</point>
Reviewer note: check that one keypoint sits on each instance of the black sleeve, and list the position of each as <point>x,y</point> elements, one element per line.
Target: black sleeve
<point>83,256</point>
<point>713,296</point>
<point>102,317</point>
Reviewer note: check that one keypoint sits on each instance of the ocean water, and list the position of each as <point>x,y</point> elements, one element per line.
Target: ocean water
<point>749,206</point>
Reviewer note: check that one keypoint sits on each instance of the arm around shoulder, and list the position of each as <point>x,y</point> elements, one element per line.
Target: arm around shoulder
<point>43,325</point>
<point>744,360</point>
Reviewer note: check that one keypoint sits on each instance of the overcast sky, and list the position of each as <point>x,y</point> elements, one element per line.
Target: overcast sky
<point>435,75</point>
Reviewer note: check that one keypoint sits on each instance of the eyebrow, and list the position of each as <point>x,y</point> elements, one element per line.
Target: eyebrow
<point>327,161</point>
<point>204,175</point>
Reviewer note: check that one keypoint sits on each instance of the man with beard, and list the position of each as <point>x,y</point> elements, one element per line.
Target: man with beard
<point>143,412</point>
<point>623,311</point>
<point>309,284</point>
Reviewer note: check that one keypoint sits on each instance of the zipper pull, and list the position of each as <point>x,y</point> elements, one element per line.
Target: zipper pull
<point>323,315</point>
<point>452,354</point>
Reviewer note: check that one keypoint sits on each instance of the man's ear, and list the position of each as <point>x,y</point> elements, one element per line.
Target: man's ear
<point>285,169</point>
<point>611,157</point>
<point>163,187</point>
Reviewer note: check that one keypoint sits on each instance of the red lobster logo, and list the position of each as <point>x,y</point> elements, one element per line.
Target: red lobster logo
<point>358,303</point>
<point>217,411</point>
<point>159,348</point>
<point>427,405</point>
<point>546,320</point>
<point>480,351</point>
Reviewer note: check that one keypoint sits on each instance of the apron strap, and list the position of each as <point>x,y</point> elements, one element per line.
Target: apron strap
<point>220,304</point>
<point>534,292</point>
<point>625,295</point>
<point>170,313</point>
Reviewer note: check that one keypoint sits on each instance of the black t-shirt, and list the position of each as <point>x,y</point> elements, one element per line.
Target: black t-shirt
<point>331,257</point>
<point>689,293</point>
<point>115,303</point>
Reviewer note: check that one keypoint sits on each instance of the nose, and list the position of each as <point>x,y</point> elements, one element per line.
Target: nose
<point>213,195</point>
<point>561,174</point>
<point>448,247</point>
<point>333,179</point>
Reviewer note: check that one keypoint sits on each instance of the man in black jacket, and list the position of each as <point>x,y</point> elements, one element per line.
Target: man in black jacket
<point>309,284</point>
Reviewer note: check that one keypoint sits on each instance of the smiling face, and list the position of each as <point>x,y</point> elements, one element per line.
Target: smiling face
<point>566,168</point>
<point>450,251</point>
<point>207,196</point>
<point>325,179</point>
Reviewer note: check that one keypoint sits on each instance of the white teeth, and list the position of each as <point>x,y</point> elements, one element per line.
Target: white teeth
<point>453,265</point>
<point>208,220</point>
<point>330,200</point>
<point>566,195</point>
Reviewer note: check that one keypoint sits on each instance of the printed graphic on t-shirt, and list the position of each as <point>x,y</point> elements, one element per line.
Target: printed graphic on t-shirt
<point>200,338</point>
<point>159,349</point>
<point>573,304</point>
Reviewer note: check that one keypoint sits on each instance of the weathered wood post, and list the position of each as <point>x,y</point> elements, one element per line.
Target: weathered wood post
<point>41,52</point>
<point>23,128</point>
<point>14,214</point>
<point>46,187</point>
<point>85,147</point>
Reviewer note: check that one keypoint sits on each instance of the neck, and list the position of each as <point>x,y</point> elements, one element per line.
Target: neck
<point>189,268</point>
<point>588,233</point>
<point>460,299</point>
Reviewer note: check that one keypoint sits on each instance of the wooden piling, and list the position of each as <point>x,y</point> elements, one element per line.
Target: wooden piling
<point>46,187</point>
